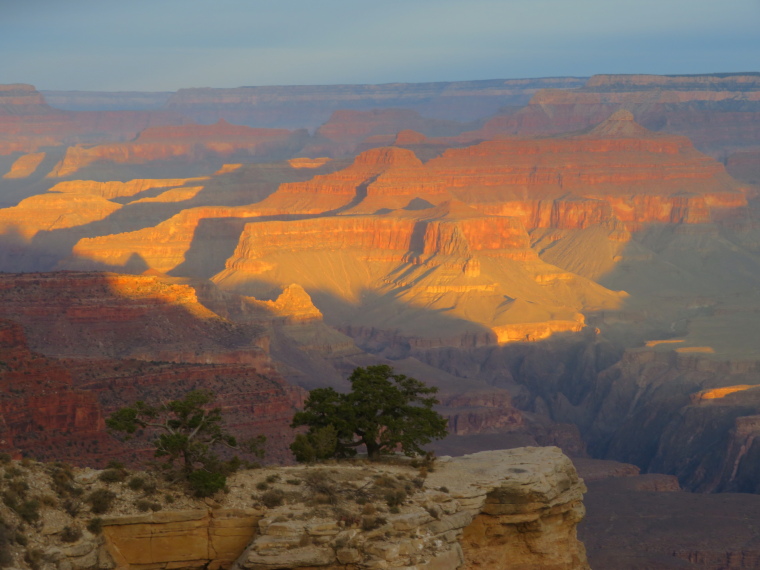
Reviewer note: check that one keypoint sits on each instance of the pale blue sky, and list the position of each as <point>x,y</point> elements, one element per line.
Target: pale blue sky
<point>156,45</point>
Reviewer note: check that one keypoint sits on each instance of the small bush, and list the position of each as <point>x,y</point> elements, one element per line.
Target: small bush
<point>273,498</point>
<point>395,510</point>
<point>272,478</point>
<point>5,458</point>
<point>443,489</point>
<point>72,506</point>
<point>395,498</point>
<point>6,535</point>
<point>318,445</point>
<point>262,486</point>
<point>206,483</point>
<point>29,511</point>
<point>26,462</point>
<point>136,483</point>
<point>293,481</point>
<point>169,499</point>
<point>95,526</point>
<point>101,501</point>
<point>112,476</point>
<point>70,534</point>
<point>48,501</point>
<point>371,523</point>
<point>369,509</point>
<point>145,506</point>
<point>114,464</point>
<point>18,487</point>
<point>12,472</point>
<point>150,488</point>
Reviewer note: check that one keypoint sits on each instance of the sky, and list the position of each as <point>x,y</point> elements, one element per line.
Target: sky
<point>165,45</point>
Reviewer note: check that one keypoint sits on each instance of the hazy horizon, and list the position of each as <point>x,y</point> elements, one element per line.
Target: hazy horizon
<point>89,45</point>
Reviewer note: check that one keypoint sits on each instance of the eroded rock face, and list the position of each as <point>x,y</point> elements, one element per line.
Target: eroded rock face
<point>717,112</point>
<point>193,539</point>
<point>40,406</point>
<point>186,142</point>
<point>527,497</point>
<point>505,509</point>
<point>27,122</point>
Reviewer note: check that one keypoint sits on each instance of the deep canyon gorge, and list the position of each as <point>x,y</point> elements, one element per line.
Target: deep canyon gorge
<point>573,262</point>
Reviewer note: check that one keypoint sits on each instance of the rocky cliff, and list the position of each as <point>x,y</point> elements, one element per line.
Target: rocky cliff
<point>27,122</point>
<point>184,143</point>
<point>519,507</point>
<point>717,112</point>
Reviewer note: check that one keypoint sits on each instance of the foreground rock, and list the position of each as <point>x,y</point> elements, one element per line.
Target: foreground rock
<point>505,509</point>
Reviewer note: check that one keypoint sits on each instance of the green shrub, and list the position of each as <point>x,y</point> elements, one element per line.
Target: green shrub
<point>6,536</point>
<point>373,522</point>
<point>206,483</point>
<point>136,483</point>
<point>29,511</point>
<point>72,506</point>
<point>144,506</point>
<point>95,526</point>
<point>262,486</point>
<point>101,501</point>
<point>273,498</point>
<point>112,475</point>
<point>48,501</point>
<point>12,472</point>
<point>5,458</point>
<point>395,498</point>
<point>70,534</point>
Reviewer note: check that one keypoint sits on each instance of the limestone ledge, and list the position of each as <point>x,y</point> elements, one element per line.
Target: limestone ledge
<point>496,509</point>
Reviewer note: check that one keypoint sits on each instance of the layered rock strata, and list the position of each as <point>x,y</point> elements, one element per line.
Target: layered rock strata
<point>311,105</point>
<point>719,113</point>
<point>529,500</point>
<point>184,143</point>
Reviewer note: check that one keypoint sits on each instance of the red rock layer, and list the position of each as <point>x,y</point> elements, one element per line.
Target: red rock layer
<point>114,315</point>
<point>617,170</point>
<point>719,113</point>
<point>54,409</point>
<point>40,409</point>
<point>347,128</point>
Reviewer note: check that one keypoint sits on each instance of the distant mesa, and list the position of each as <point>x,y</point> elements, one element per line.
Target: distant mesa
<point>186,143</point>
<point>25,165</point>
<point>304,162</point>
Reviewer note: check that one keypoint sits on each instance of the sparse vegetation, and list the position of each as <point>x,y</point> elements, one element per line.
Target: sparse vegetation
<point>70,534</point>
<point>95,526</point>
<point>144,506</point>
<point>273,498</point>
<point>383,412</point>
<point>186,432</point>
<point>101,501</point>
<point>113,475</point>
<point>136,483</point>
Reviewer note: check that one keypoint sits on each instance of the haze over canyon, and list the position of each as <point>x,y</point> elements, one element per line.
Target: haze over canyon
<point>571,261</point>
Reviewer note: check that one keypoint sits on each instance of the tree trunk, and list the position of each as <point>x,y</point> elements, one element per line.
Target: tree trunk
<point>373,450</point>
